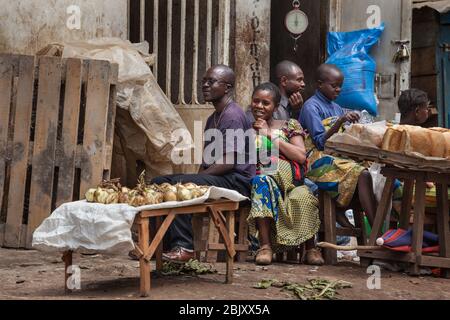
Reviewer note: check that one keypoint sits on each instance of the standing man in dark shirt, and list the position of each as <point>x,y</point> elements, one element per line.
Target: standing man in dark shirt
<point>291,81</point>
<point>220,170</point>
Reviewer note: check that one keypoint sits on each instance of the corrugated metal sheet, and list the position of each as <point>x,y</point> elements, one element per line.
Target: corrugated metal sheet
<point>441,6</point>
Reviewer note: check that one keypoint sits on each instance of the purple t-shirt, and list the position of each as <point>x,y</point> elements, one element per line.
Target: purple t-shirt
<point>232,124</point>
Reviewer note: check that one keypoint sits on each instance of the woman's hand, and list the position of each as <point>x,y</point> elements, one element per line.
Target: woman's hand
<point>262,127</point>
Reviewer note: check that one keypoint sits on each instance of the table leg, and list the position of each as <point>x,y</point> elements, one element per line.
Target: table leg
<point>159,249</point>
<point>329,225</point>
<point>442,224</point>
<point>382,210</point>
<point>145,267</point>
<point>67,258</point>
<point>419,216</point>
<point>230,256</point>
<point>408,190</point>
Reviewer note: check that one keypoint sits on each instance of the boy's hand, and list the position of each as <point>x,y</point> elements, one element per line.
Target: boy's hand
<point>352,117</point>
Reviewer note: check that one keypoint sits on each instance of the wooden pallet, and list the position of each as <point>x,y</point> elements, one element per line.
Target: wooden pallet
<point>56,134</point>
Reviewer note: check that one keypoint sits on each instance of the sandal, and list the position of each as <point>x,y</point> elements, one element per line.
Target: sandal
<point>314,257</point>
<point>264,256</point>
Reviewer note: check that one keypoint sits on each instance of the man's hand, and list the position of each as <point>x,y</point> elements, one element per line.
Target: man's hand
<point>352,117</point>
<point>296,101</point>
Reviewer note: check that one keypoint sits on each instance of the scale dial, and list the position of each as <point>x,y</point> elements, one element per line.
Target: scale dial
<point>296,22</point>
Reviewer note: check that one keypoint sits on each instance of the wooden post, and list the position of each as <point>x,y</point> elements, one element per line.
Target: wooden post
<point>442,224</point>
<point>419,216</point>
<point>243,232</point>
<point>144,264</point>
<point>230,256</point>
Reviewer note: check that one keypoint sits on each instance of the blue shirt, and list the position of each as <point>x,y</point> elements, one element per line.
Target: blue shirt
<point>315,110</point>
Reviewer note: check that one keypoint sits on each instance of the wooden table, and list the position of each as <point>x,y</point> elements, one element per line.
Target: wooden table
<point>222,213</point>
<point>411,178</point>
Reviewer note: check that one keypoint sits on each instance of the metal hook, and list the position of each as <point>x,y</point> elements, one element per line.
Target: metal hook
<point>296,4</point>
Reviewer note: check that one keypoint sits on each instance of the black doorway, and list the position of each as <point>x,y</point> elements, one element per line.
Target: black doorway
<point>311,49</point>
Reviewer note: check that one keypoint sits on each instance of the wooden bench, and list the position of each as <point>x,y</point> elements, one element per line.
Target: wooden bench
<point>412,178</point>
<point>221,212</point>
<point>207,239</point>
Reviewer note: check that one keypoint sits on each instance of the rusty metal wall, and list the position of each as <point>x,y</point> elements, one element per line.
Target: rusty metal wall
<point>28,25</point>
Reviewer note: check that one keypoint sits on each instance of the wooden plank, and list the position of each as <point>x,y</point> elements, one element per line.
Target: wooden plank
<point>110,123</point>
<point>438,262</point>
<point>423,61</point>
<point>419,215</point>
<point>66,159</point>
<point>387,255</point>
<point>230,219</point>
<point>221,247</point>
<point>6,80</point>
<point>382,210</point>
<point>20,153</point>
<point>144,264</point>
<point>44,143</point>
<point>224,205</point>
<point>329,223</point>
<point>97,103</point>
<point>442,223</point>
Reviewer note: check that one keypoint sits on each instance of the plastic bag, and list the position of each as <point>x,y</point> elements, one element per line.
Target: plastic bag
<point>350,52</point>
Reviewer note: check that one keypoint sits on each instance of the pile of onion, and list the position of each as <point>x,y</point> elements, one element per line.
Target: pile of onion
<point>111,192</point>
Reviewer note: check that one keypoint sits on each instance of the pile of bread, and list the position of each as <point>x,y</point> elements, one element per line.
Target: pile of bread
<point>432,142</point>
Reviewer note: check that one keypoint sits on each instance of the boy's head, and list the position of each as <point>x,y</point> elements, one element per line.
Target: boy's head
<point>414,106</point>
<point>330,80</point>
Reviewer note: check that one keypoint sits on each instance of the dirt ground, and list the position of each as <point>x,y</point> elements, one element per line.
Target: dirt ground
<point>37,275</point>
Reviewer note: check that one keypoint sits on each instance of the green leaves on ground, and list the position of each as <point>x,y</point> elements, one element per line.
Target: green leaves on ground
<point>315,289</point>
<point>192,267</point>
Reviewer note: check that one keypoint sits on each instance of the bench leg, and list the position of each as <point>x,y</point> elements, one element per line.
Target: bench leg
<point>159,250</point>
<point>67,258</point>
<point>419,216</point>
<point>145,268</point>
<point>382,210</point>
<point>408,190</point>
<point>329,225</point>
<point>442,224</point>
<point>230,258</point>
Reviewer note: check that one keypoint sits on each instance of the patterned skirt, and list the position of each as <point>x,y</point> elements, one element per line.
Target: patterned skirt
<point>294,210</point>
<point>337,176</point>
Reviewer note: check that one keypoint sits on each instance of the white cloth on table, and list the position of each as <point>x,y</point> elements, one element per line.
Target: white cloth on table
<point>93,227</point>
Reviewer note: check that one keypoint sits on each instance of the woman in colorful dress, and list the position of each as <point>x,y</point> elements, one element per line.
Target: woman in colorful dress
<point>284,212</point>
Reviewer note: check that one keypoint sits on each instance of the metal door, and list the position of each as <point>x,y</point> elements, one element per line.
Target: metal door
<point>443,57</point>
<point>392,78</point>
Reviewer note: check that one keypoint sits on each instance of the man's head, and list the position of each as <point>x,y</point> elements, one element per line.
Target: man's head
<point>217,83</point>
<point>414,106</point>
<point>290,78</point>
<point>330,80</point>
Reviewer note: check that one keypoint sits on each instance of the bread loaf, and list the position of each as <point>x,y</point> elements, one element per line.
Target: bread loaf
<point>434,142</point>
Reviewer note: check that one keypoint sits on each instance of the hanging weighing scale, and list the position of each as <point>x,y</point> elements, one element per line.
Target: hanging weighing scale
<point>296,22</point>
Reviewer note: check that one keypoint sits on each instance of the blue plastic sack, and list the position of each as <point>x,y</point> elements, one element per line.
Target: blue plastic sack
<point>350,52</point>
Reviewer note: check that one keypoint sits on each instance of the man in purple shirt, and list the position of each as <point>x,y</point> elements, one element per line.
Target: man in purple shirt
<point>220,165</point>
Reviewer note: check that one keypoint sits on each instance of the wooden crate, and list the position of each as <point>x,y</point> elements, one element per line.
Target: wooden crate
<point>56,134</point>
